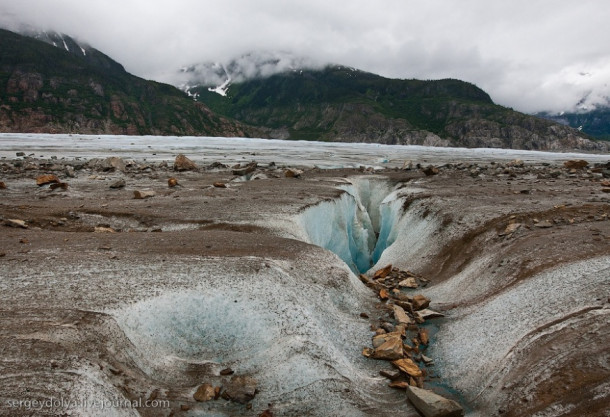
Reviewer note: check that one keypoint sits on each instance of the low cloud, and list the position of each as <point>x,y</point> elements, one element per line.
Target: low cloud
<point>527,55</point>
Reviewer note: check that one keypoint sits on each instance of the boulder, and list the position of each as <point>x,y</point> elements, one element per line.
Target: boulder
<point>246,169</point>
<point>118,184</point>
<point>182,163</point>
<point>420,302</point>
<point>431,404</point>
<point>400,315</point>
<point>140,195</point>
<point>576,164</point>
<point>240,389</point>
<point>390,349</point>
<point>409,367</point>
<point>46,179</point>
<point>293,173</point>
<point>112,163</point>
<point>205,392</point>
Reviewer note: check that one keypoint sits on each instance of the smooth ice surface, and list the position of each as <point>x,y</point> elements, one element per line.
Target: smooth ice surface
<point>233,150</point>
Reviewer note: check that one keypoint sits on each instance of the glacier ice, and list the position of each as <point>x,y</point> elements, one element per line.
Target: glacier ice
<point>359,225</point>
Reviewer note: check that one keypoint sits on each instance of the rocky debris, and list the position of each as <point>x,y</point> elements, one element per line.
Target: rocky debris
<point>46,179</point>
<point>205,392</point>
<point>2,185</point>
<point>510,229</point>
<point>172,182</point>
<point>118,184</point>
<point>402,341</point>
<point>431,404</point>
<point>220,185</point>
<point>244,169</point>
<point>293,173</point>
<point>182,163</point>
<point>544,224</point>
<point>15,223</point>
<point>430,170</point>
<point>227,371</point>
<point>140,195</point>
<point>576,164</point>
<point>241,389</point>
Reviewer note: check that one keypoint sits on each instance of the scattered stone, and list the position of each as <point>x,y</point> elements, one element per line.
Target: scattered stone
<point>431,404</point>
<point>408,366</point>
<point>140,195</point>
<point>430,314</point>
<point>293,173</point>
<point>69,171</point>
<point>240,389</point>
<point>400,315</point>
<point>46,179</point>
<point>510,229</point>
<point>243,170</point>
<point>410,282</point>
<point>20,154</point>
<point>172,182</point>
<point>205,392</point>
<point>367,352</point>
<point>182,163</point>
<point>112,163</point>
<point>15,223</point>
<point>2,185</point>
<point>430,170</point>
<point>220,185</point>
<point>56,185</point>
<point>383,272</point>
<point>390,375</point>
<point>118,184</point>
<point>398,384</point>
<point>544,224</point>
<point>420,302</point>
<point>227,371</point>
<point>102,229</point>
<point>383,294</point>
<point>390,349</point>
<point>428,361</point>
<point>423,336</point>
<point>576,164</point>
<point>517,163</point>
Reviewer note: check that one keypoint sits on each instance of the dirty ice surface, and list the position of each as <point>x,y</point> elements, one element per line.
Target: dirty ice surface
<point>206,150</point>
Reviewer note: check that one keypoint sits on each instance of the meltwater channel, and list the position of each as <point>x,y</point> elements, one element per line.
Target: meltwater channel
<point>359,225</point>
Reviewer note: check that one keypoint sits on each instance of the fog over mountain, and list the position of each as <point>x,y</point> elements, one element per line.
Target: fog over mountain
<point>532,56</point>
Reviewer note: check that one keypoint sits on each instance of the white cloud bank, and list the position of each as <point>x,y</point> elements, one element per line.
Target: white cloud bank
<point>542,55</point>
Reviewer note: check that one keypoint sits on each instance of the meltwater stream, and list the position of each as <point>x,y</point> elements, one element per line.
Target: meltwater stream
<point>359,225</point>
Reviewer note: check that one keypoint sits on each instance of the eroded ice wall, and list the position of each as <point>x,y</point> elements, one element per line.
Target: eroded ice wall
<point>359,225</point>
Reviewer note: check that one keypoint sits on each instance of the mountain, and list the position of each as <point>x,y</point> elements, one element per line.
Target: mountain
<point>595,123</point>
<point>55,84</point>
<point>337,103</point>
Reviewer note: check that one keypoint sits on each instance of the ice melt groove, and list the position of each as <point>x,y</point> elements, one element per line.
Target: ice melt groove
<point>359,225</point>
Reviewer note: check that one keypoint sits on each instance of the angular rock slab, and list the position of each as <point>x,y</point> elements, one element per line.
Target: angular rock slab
<point>431,404</point>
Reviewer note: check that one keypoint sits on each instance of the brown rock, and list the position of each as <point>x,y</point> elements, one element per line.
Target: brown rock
<point>383,272</point>
<point>293,173</point>
<point>511,228</point>
<point>390,349</point>
<point>240,389</point>
<point>544,224</point>
<point>182,163</point>
<point>220,185</point>
<point>383,294</point>
<point>118,184</point>
<point>408,366</point>
<point>227,371</point>
<point>575,164</point>
<point>606,190</point>
<point>424,336</point>
<point>15,223</point>
<point>61,185</point>
<point>430,314</point>
<point>266,413</point>
<point>400,315</point>
<point>420,302</point>
<point>431,404</point>
<point>380,339</point>
<point>2,185</point>
<point>140,195</point>
<point>410,282</point>
<point>172,182</point>
<point>205,392</point>
<point>113,163</point>
<point>398,384</point>
<point>430,170</point>
<point>367,352</point>
<point>47,179</point>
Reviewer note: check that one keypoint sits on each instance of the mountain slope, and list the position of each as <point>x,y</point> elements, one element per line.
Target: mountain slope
<point>594,122</point>
<point>343,104</point>
<point>51,89</point>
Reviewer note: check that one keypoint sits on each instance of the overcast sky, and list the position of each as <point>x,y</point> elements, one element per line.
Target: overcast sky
<point>527,54</point>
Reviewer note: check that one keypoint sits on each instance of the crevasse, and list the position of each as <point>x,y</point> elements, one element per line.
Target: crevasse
<point>359,225</point>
